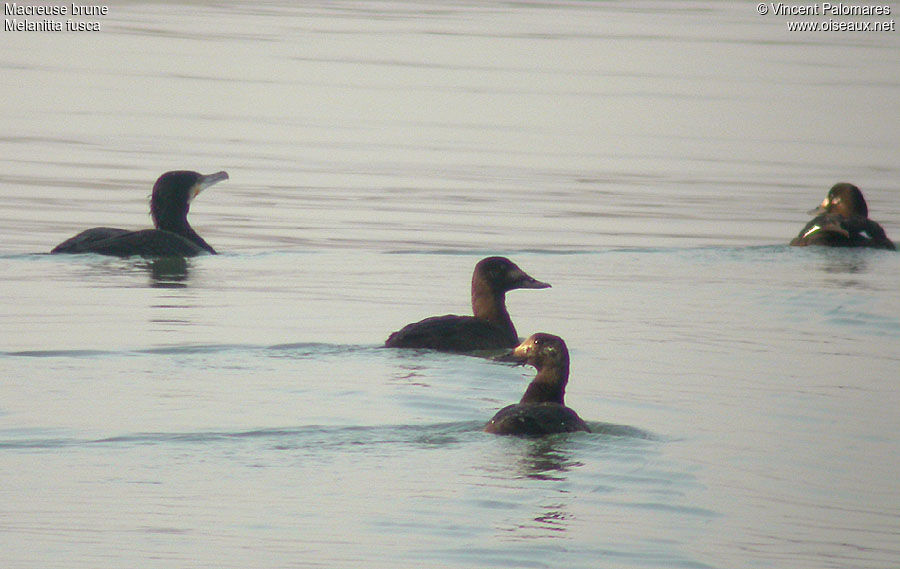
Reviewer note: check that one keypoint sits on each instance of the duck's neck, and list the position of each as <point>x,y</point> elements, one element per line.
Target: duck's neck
<point>178,223</point>
<point>490,305</point>
<point>549,386</point>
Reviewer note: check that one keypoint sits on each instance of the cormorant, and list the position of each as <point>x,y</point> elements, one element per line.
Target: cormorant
<point>172,236</point>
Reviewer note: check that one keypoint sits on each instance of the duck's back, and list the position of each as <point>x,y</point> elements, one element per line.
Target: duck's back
<point>451,333</point>
<point>124,243</point>
<point>823,230</point>
<point>829,230</point>
<point>536,419</point>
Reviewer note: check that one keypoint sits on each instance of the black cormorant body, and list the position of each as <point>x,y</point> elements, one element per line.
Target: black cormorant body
<point>172,236</point>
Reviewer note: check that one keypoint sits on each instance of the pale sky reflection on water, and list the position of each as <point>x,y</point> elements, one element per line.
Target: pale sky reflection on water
<point>650,160</point>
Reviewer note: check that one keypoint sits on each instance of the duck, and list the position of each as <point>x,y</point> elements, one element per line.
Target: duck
<point>842,220</point>
<point>172,235</point>
<point>542,409</point>
<point>489,328</point>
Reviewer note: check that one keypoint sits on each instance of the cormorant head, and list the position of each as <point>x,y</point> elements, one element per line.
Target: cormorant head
<point>173,193</point>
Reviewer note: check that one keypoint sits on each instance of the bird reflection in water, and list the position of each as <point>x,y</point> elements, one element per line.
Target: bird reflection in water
<point>547,458</point>
<point>167,272</point>
<point>846,267</point>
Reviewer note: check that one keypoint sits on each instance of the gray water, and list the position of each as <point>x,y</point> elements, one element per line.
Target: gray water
<point>650,160</point>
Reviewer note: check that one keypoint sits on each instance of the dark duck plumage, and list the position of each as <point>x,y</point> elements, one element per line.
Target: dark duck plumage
<point>842,220</point>
<point>489,329</point>
<point>172,236</point>
<point>542,410</point>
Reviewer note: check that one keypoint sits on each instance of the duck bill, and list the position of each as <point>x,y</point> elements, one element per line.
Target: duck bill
<point>533,283</point>
<point>524,280</point>
<point>207,181</point>
<point>518,355</point>
<point>823,207</point>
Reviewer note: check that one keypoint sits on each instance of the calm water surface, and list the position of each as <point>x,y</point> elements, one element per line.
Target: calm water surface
<point>648,159</point>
